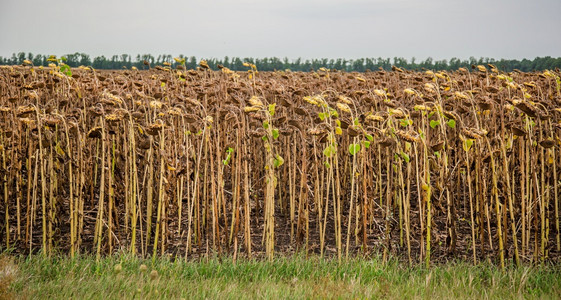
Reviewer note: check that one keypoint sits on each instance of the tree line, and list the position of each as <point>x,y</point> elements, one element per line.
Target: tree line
<point>146,61</point>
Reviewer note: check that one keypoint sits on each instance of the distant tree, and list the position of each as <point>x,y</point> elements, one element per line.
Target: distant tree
<point>38,60</point>
<point>237,64</point>
<point>193,63</point>
<point>21,58</point>
<point>73,60</point>
<point>85,59</point>
<point>100,62</point>
<point>125,60</point>
<point>358,65</point>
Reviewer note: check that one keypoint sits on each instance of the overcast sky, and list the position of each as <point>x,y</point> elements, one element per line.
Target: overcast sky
<point>441,29</point>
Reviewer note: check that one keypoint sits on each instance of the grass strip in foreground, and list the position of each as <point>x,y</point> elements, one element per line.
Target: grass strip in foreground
<point>283,278</point>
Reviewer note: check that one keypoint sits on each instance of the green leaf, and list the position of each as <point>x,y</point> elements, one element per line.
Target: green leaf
<point>264,138</point>
<point>451,123</point>
<point>65,69</point>
<point>338,122</point>
<point>404,123</point>
<point>279,161</point>
<point>329,151</point>
<point>59,150</point>
<point>227,160</point>
<point>430,114</point>
<point>467,144</point>
<point>275,133</point>
<point>405,156</point>
<point>366,144</point>
<point>321,116</point>
<point>338,130</point>
<point>434,123</point>
<point>369,137</point>
<point>437,153</point>
<point>272,109</point>
<point>229,156</point>
<point>354,148</point>
<point>356,122</point>
<point>265,124</point>
<point>327,165</point>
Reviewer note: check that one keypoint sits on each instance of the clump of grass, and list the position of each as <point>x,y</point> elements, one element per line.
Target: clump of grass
<point>8,273</point>
<point>295,277</point>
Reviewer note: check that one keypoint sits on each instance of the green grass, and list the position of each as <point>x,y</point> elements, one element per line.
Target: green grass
<point>284,278</point>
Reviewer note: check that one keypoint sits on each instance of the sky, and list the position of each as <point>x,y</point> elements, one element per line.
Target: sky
<point>441,29</point>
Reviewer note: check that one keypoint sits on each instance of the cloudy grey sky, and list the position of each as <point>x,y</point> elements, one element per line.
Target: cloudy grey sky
<point>290,28</point>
